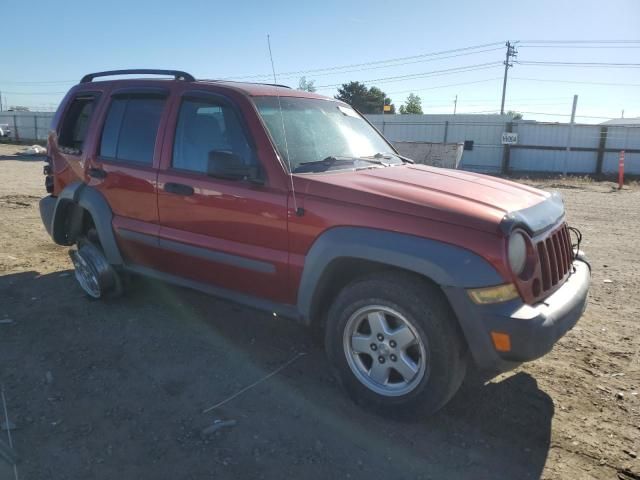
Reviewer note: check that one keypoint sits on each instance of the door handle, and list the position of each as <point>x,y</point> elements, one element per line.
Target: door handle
<point>97,172</point>
<point>178,188</point>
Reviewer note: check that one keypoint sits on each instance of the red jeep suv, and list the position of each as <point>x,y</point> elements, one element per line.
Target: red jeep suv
<point>293,203</point>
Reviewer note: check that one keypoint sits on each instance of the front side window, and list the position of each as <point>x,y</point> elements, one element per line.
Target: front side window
<point>76,123</point>
<point>205,127</point>
<point>310,131</point>
<point>131,128</point>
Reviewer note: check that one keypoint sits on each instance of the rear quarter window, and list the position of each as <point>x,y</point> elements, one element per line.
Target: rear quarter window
<point>75,124</point>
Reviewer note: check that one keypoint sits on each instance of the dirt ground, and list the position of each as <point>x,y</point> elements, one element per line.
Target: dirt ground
<point>117,389</point>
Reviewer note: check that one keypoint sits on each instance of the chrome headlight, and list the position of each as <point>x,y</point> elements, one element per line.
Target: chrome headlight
<point>517,252</point>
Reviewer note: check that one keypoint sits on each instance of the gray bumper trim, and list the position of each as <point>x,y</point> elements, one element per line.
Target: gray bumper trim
<point>534,329</point>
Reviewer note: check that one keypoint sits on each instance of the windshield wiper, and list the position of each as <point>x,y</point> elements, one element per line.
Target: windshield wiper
<point>380,155</point>
<point>325,162</point>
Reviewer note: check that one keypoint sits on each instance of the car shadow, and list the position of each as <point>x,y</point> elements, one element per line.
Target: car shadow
<point>23,158</point>
<point>142,369</point>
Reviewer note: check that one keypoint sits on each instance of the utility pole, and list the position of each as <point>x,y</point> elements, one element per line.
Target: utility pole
<point>455,104</point>
<point>0,101</point>
<point>569,134</point>
<point>511,53</point>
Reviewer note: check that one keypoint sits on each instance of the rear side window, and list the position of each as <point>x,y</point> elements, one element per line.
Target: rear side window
<point>131,128</point>
<point>75,124</point>
<point>206,126</point>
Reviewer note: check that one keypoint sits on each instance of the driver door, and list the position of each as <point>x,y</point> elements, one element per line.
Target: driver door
<point>230,234</point>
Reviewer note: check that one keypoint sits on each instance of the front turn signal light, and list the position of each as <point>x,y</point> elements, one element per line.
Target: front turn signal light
<point>496,294</point>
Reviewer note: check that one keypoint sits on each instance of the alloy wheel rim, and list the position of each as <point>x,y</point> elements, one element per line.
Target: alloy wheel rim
<point>86,276</point>
<point>384,351</point>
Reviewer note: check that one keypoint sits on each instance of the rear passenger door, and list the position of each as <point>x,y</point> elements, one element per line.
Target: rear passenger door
<point>125,170</point>
<point>218,231</point>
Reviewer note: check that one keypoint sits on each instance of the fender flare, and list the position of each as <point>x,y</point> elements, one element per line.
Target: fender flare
<point>82,195</point>
<point>445,264</point>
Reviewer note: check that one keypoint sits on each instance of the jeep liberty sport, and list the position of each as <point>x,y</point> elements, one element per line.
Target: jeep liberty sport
<point>293,203</point>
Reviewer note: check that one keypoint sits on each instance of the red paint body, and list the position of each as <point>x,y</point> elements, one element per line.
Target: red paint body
<point>258,222</point>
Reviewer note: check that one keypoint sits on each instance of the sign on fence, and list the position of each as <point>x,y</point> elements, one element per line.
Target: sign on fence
<point>509,138</point>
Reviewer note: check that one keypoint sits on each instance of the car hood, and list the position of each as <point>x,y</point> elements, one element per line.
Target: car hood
<point>453,196</point>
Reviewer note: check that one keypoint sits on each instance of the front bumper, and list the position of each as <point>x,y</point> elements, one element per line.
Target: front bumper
<point>533,329</point>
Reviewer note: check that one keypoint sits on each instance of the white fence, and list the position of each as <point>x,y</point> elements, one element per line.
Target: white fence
<point>541,147</point>
<point>27,126</point>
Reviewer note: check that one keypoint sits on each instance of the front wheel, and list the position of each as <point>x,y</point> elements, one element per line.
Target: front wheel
<point>394,345</point>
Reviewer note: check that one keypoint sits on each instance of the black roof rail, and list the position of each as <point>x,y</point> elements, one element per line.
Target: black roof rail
<point>177,74</point>
<point>240,81</point>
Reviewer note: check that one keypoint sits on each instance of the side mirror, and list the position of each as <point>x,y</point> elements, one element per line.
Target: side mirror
<point>228,165</point>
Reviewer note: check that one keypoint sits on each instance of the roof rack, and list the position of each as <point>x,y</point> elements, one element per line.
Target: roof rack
<point>240,81</point>
<point>177,74</point>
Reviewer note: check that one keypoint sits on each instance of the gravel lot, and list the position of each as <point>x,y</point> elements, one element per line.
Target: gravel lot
<point>117,389</point>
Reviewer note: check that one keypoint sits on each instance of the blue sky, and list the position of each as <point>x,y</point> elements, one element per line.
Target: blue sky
<point>58,42</point>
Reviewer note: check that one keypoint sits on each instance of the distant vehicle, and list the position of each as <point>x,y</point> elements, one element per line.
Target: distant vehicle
<point>293,203</point>
<point>5,131</point>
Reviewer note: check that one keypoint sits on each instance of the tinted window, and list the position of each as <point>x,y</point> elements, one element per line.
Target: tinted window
<point>204,127</point>
<point>131,128</point>
<point>109,144</point>
<point>76,123</point>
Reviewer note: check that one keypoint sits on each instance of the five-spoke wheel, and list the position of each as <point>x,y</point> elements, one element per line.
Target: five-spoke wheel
<point>384,351</point>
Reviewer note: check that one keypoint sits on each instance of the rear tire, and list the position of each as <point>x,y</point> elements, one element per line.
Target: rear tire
<point>394,344</point>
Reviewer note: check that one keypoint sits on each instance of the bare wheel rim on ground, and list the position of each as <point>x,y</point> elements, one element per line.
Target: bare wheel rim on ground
<point>86,277</point>
<point>384,351</point>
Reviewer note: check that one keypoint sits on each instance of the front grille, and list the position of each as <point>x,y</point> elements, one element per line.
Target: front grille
<point>556,255</point>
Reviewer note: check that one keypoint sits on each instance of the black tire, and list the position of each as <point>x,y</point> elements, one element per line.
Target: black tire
<point>422,305</point>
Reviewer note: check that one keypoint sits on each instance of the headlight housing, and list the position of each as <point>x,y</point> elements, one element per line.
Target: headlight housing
<point>517,252</point>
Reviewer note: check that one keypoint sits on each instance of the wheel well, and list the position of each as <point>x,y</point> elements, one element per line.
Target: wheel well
<point>339,274</point>
<point>73,222</point>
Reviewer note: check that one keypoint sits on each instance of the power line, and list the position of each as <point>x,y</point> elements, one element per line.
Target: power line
<point>579,41</point>
<point>448,71</point>
<point>52,82</point>
<point>578,46</point>
<point>578,82</point>
<point>444,86</point>
<point>581,64</point>
<point>377,62</point>
<point>34,93</point>
<point>394,65</point>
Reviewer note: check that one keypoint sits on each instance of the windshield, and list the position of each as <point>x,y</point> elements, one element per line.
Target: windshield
<point>321,130</point>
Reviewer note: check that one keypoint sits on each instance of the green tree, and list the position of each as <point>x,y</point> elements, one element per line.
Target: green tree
<point>515,115</point>
<point>306,85</point>
<point>413,104</point>
<point>363,99</point>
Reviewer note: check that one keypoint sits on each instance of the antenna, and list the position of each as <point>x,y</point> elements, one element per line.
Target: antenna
<point>299,211</point>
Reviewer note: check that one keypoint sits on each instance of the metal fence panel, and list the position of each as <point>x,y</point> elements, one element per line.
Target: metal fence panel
<point>28,126</point>
<point>546,142</point>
